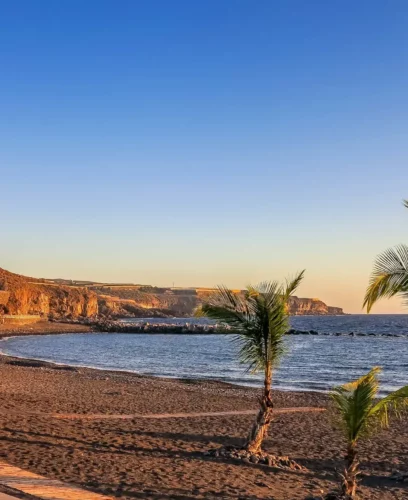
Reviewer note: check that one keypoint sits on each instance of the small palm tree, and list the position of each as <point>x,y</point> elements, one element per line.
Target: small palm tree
<point>259,318</point>
<point>361,413</point>
<point>389,276</point>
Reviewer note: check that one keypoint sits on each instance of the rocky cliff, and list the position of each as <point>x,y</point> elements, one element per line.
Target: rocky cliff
<point>313,307</point>
<point>30,296</point>
<point>143,301</point>
<point>70,299</point>
<point>146,301</point>
<point>115,307</point>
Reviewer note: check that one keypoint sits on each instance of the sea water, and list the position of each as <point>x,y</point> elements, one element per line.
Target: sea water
<point>312,362</point>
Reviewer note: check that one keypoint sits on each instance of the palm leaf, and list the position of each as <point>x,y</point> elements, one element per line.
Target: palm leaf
<point>396,403</point>
<point>354,402</point>
<point>360,411</point>
<point>389,276</point>
<point>258,317</point>
<point>291,286</point>
<point>227,307</point>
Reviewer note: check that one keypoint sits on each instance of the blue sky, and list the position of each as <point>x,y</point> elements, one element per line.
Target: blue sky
<point>204,142</point>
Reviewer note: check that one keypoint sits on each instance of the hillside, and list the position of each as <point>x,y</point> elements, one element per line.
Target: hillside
<point>23,295</point>
<point>68,299</point>
<point>184,301</point>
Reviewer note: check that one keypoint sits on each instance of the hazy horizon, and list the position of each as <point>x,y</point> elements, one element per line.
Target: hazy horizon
<point>200,143</point>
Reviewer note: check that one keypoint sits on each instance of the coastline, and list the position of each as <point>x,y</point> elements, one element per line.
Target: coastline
<point>36,363</point>
<point>27,362</point>
<point>63,358</point>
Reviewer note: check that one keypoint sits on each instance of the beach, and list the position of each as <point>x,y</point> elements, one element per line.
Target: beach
<point>92,428</point>
<point>42,328</point>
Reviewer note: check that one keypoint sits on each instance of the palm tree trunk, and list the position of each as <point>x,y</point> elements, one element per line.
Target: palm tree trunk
<point>349,484</point>
<point>260,428</point>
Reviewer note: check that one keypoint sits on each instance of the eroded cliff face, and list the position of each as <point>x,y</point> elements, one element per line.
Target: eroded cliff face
<point>115,307</point>
<point>117,301</point>
<point>53,299</point>
<point>312,307</point>
<point>30,296</point>
<point>145,301</point>
<point>335,311</point>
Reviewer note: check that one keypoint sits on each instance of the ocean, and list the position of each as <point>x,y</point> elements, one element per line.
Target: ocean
<point>312,362</point>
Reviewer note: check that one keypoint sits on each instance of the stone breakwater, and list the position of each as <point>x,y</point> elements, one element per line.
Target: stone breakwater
<point>343,334</point>
<point>185,328</point>
<point>209,329</point>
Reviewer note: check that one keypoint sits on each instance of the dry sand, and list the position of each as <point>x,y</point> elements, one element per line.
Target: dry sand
<point>163,458</point>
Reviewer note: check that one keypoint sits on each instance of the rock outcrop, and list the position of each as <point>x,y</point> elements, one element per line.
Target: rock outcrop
<point>146,301</point>
<point>313,307</point>
<point>334,311</point>
<point>30,296</point>
<point>115,307</point>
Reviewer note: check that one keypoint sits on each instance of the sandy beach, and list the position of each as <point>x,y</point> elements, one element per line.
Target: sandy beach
<point>44,429</point>
<point>42,328</point>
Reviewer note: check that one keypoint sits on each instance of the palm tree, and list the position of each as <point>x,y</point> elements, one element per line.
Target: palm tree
<point>259,318</point>
<point>389,276</point>
<point>361,413</point>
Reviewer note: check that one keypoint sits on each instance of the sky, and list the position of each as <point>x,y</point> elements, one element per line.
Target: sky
<point>204,142</point>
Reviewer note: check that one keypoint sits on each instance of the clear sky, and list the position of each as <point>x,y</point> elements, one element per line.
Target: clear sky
<point>204,142</point>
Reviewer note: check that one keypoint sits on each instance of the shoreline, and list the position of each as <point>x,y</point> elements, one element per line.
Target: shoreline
<point>12,360</point>
<point>39,364</point>
<point>66,365</point>
<point>53,365</point>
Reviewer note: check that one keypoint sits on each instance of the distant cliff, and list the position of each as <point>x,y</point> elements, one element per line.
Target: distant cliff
<point>146,301</point>
<point>66,299</point>
<point>23,295</point>
<point>139,301</point>
<point>312,307</point>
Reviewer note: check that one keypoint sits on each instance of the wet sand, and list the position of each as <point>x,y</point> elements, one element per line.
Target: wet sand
<point>164,458</point>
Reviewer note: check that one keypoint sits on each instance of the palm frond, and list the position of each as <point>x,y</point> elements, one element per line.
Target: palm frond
<point>259,318</point>
<point>359,409</point>
<point>405,203</point>
<point>293,285</point>
<point>389,276</point>
<point>354,402</point>
<point>396,403</point>
<point>227,307</point>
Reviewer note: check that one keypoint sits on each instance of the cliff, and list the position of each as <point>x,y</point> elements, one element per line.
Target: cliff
<point>144,301</point>
<point>24,295</point>
<point>115,307</point>
<point>21,295</point>
<point>312,307</point>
